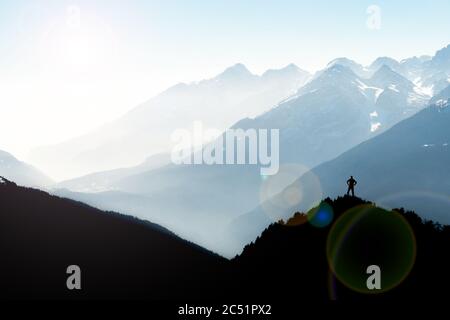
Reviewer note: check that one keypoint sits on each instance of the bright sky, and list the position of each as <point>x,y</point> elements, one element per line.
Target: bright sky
<point>68,66</point>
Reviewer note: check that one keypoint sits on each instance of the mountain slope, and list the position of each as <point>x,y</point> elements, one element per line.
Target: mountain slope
<point>435,73</point>
<point>24,174</point>
<point>441,97</point>
<point>146,130</point>
<point>119,256</point>
<point>398,99</point>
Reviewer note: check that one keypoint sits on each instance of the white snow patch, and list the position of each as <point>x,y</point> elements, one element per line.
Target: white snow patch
<point>418,81</point>
<point>428,145</point>
<point>420,89</point>
<point>393,87</point>
<point>425,91</point>
<point>373,114</point>
<point>373,91</point>
<point>375,126</point>
<point>441,103</point>
<point>378,92</point>
<point>2,181</point>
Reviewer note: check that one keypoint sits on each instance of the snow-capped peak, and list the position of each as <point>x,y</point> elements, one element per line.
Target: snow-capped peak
<point>384,61</point>
<point>356,68</point>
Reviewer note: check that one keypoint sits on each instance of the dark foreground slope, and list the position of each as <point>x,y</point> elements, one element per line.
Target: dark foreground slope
<point>122,257</point>
<point>292,256</point>
<point>119,256</point>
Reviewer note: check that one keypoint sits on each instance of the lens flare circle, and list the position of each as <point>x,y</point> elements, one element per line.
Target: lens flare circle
<point>321,216</point>
<point>365,236</point>
<point>284,193</point>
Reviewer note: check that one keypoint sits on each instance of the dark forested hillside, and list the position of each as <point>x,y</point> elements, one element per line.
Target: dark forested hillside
<point>119,256</point>
<point>294,255</point>
<point>123,257</point>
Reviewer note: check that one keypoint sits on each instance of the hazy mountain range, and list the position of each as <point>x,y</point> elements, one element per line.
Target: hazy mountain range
<point>340,107</point>
<point>320,117</point>
<point>219,103</point>
<point>146,130</point>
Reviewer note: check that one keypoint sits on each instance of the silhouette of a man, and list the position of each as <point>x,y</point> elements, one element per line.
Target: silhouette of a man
<point>351,186</point>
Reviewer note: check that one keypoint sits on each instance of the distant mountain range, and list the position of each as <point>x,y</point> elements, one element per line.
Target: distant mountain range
<point>337,109</point>
<point>222,101</point>
<point>146,130</point>
<point>334,112</point>
<point>431,73</point>
<point>21,172</point>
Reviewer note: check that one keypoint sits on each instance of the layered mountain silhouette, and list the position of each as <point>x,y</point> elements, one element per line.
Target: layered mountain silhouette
<point>146,130</point>
<point>339,108</point>
<point>219,103</point>
<point>123,257</point>
<point>106,180</point>
<point>21,172</point>
<point>405,166</point>
<point>334,112</point>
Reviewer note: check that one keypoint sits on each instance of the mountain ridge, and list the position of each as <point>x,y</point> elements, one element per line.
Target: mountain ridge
<point>146,129</point>
<point>23,173</point>
<point>121,257</point>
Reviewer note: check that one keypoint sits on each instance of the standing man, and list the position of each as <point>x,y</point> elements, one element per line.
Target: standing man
<point>351,186</point>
